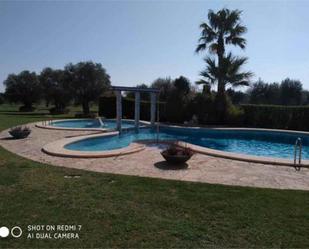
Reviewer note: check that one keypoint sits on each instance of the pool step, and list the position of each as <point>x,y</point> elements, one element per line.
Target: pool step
<point>297,153</point>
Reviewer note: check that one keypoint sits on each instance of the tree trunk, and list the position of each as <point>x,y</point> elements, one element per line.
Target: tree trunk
<point>86,107</point>
<point>221,106</point>
<point>59,107</point>
<point>27,107</point>
<point>220,97</point>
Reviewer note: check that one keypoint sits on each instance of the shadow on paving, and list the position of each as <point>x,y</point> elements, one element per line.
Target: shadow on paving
<point>167,166</point>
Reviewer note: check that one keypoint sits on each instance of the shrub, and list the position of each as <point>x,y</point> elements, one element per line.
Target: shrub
<point>20,132</point>
<point>107,107</point>
<point>276,117</point>
<point>26,108</point>
<point>88,115</point>
<point>235,116</point>
<point>202,105</point>
<point>57,111</point>
<point>178,111</point>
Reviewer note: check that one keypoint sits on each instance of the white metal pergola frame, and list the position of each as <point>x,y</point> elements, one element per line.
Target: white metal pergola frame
<point>153,97</point>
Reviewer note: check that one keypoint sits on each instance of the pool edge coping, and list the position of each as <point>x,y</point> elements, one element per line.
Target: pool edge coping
<point>229,155</point>
<point>57,148</point>
<point>234,128</point>
<point>51,127</point>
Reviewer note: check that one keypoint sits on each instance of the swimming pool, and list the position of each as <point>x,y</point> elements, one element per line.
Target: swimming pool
<point>249,142</point>
<point>90,123</point>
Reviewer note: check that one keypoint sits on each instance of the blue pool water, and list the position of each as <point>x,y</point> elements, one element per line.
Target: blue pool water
<point>91,123</point>
<point>258,143</point>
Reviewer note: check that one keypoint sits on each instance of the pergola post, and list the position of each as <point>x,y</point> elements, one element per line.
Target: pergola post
<point>137,91</point>
<point>152,108</point>
<point>118,109</point>
<point>137,109</point>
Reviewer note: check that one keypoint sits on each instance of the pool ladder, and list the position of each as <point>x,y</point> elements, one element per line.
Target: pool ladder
<point>101,122</point>
<point>47,122</point>
<point>297,153</point>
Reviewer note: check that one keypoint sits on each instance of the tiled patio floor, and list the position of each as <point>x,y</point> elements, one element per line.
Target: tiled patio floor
<point>149,163</point>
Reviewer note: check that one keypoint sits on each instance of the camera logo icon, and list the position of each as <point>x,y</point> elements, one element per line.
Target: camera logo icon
<point>16,232</point>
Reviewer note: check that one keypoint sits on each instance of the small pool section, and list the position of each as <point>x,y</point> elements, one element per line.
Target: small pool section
<point>250,142</point>
<point>91,123</point>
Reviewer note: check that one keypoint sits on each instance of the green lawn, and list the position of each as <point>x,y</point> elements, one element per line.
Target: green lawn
<point>124,211</point>
<point>9,116</point>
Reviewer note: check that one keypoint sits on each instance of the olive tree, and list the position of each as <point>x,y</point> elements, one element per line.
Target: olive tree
<point>87,81</point>
<point>55,89</point>
<point>1,98</point>
<point>23,88</point>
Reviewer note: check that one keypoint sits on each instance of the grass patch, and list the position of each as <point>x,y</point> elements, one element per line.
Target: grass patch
<point>10,116</point>
<point>125,211</point>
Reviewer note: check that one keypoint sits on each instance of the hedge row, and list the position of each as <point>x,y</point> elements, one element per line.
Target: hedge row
<point>107,108</point>
<point>276,117</point>
<point>260,116</point>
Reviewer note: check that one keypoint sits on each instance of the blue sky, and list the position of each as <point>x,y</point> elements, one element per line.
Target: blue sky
<point>139,41</point>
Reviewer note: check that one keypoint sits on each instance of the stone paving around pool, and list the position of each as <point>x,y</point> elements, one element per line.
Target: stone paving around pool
<point>149,163</point>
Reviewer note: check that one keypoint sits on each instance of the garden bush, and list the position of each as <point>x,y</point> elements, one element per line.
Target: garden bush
<point>57,111</point>
<point>276,117</point>
<point>86,115</point>
<point>202,106</point>
<point>26,108</point>
<point>235,116</point>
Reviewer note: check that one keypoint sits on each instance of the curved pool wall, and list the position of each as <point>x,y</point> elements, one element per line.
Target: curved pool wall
<point>266,146</point>
<point>56,148</point>
<point>92,123</point>
<point>87,124</point>
<point>257,142</point>
<point>263,143</point>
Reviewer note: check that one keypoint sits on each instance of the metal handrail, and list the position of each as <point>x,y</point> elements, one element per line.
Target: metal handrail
<point>298,148</point>
<point>158,119</point>
<point>101,121</point>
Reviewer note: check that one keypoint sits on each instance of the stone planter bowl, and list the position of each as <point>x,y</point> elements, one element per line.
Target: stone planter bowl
<point>19,132</point>
<point>181,155</point>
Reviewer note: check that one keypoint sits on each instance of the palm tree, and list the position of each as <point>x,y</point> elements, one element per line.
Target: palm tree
<point>230,72</point>
<point>224,28</point>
